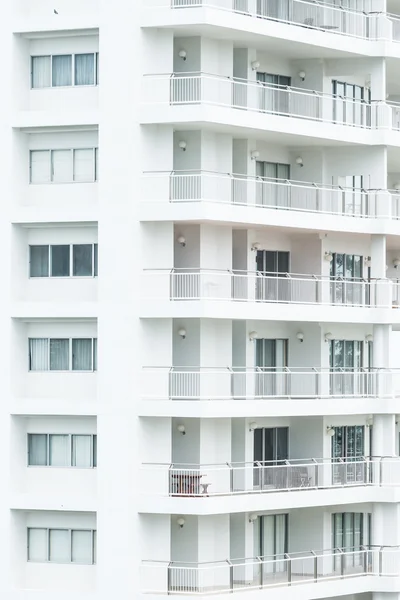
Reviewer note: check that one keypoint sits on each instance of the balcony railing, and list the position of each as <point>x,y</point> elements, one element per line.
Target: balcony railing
<point>265,192</point>
<point>263,572</point>
<point>193,481</point>
<point>287,288</point>
<point>202,88</point>
<point>323,16</point>
<point>195,383</point>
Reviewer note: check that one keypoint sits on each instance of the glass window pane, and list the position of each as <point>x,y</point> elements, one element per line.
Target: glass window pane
<point>41,67</point>
<point>94,547</point>
<point>82,260</point>
<point>338,530</point>
<point>82,355</point>
<point>59,455</point>
<point>95,450</point>
<point>38,354</point>
<point>61,164</point>
<point>83,165</point>
<point>96,260</point>
<point>39,261</point>
<point>59,355</point>
<point>60,261</point>
<point>37,450</point>
<point>84,69</point>
<point>37,545</point>
<point>62,70</point>
<point>81,451</point>
<point>60,546</point>
<point>40,166</point>
<point>96,160</point>
<point>94,354</point>
<point>82,547</point>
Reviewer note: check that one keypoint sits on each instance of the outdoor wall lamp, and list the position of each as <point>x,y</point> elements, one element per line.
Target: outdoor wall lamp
<point>182,333</point>
<point>330,430</point>
<point>181,429</point>
<point>253,518</point>
<point>328,256</point>
<point>182,54</point>
<point>299,161</point>
<point>328,337</point>
<point>369,338</point>
<point>300,336</point>
<point>253,335</point>
<point>255,246</point>
<point>252,426</point>
<point>396,263</point>
<point>181,522</point>
<point>183,145</point>
<point>182,240</point>
<point>255,65</point>
<point>302,75</point>
<point>254,154</point>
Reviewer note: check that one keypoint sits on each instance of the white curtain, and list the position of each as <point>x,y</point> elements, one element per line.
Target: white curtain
<point>37,448</point>
<point>59,451</point>
<point>82,355</point>
<point>82,547</point>
<point>59,355</point>
<point>38,354</point>
<point>81,447</point>
<point>39,261</point>
<point>84,165</point>
<point>62,70</point>
<point>82,260</point>
<point>37,545</point>
<point>61,166</point>
<point>40,166</point>
<point>59,546</point>
<point>41,71</point>
<point>84,69</point>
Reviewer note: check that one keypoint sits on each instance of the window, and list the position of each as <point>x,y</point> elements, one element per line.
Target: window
<point>79,165</point>
<point>62,545</point>
<point>351,104</point>
<point>65,70</point>
<point>76,260</point>
<point>62,450</point>
<point>62,354</point>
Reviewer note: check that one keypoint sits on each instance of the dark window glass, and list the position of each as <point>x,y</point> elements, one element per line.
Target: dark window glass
<point>82,260</point>
<point>60,261</point>
<point>39,261</point>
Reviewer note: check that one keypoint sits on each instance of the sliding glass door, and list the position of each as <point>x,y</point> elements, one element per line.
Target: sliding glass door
<point>348,443</point>
<point>351,104</point>
<point>346,360</point>
<point>271,360</point>
<point>271,542</point>
<point>271,448</point>
<point>271,185</point>
<point>350,534</point>
<point>347,285</point>
<point>274,96</point>
<point>272,285</point>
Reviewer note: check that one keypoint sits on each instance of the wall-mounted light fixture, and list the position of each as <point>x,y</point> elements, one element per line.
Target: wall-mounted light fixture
<point>328,337</point>
<point>370,421</point>
<point>182,54</point>
<point>369,338</point>
<point>255,246</point>
<point>181,429</point>
<point>397,186</point>
<point>183,145</point>
<point>396,263</point>
<point>367,261</point>
<point>302,75</point>
<point>330,430</point>
<point>255,65</point>
<point>299,161</point>
<point>182,332</point>
<point>254,154</point>
<point>181,240</point>
<point>252,426</point>
<point>328,256</point>
<point>181,522</point>
<point>253,335</point>
<point>253,518</point>
<point>300,336</point>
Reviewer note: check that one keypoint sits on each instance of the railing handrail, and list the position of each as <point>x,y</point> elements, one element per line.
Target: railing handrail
<point>287,463</point>
<point>284,370</point>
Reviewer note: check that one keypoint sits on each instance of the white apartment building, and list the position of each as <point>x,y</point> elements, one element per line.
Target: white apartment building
<point>200,232</point>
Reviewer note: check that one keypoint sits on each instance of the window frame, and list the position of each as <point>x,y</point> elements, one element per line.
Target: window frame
<point>93,454</point>
<point>69,530</point>
<point>71,257</point>
<point>50,152</point>
<point>70,369</point>
<point>73,84</point>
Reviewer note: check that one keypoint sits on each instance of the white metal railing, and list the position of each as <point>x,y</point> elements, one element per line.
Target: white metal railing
<point>323,16</point>
<point>263,572</point>
<point>195,383</point>
<point>216,90</point>
<point>243,190</point>
<point>287,288</point>
<point>265,477</point>
<point>395,24</point>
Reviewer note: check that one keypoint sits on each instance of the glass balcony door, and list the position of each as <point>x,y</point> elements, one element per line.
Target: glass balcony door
<point>274,96</point>
<point>273,284</point>
<point>346,360</point>
<point>271,360</point>
<point>270,185</point>
<point>350,534</point>
<point>346,273</point>
<point>271,448</point>
<point>351,104</point>
<point>348,444</point>
<point>271,542</point>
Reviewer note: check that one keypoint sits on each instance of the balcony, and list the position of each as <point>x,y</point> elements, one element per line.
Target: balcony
<point>321,16</point>
<point>200,481</point>
<point>180,187</point>
<point>187,285</point>
<point>197,383</point>
<point>266,572</point>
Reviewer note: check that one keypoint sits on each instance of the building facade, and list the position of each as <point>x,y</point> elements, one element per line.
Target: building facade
<point>200,228</point>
